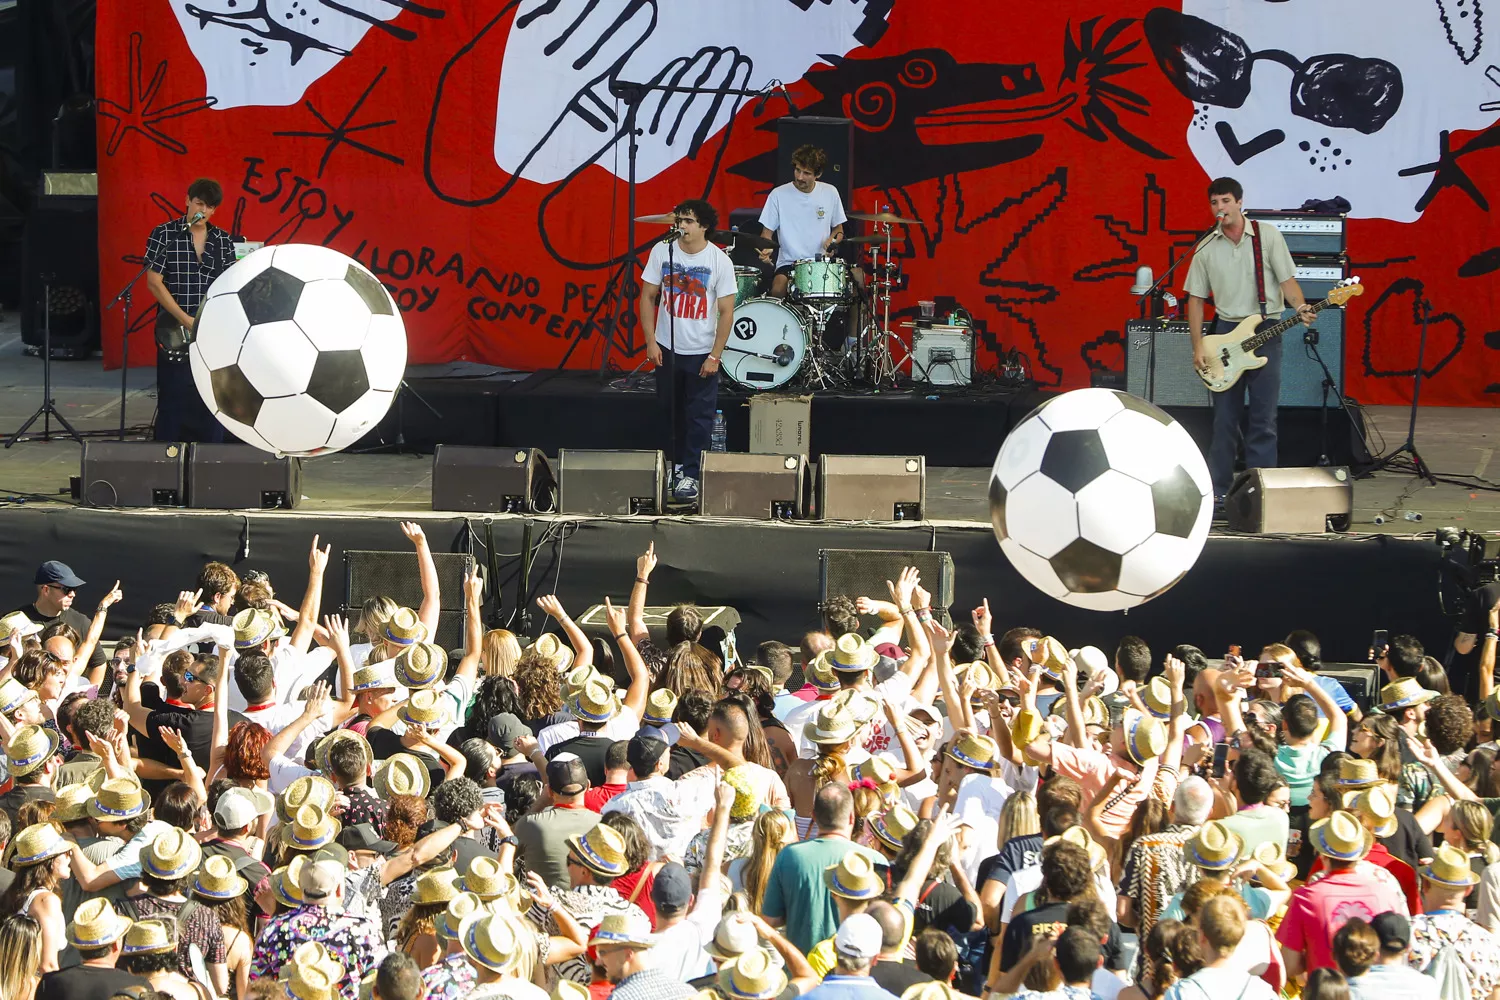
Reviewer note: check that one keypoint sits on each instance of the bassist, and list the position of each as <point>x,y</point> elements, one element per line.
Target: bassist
<point>185,256</point>
<point>1248,270</point>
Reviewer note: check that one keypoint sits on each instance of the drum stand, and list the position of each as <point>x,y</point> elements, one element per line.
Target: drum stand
<point>823,370</point>
<point>883,364</point>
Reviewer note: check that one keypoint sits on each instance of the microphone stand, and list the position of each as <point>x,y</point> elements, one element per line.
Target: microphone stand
<point>1154,294</point>
<point>125,297</point>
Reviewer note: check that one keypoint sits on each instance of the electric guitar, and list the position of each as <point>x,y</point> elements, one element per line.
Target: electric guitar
<point>1232,354</point>
<point>171,336</point>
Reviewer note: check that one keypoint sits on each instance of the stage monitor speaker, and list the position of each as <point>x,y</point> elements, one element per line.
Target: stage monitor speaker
<point>1361,680</point>
<point>610,482</point>
<point>133,474</point>
<point>1308,500</point>
<point>239,477</point>
<point>492,480</point>
<point>872,487</point>
<point>761,486</point>
<point>378,573</point>
<point>595,623</point>
<point>834,136</point>
<point>855,573</point>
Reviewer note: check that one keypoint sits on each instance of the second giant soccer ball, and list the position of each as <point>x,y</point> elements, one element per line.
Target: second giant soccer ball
<point>298,350</point>
<point>1100,499</point>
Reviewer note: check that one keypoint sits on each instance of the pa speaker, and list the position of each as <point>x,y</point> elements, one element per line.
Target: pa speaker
<point>377,573</point>
<point>872,487</point>
<point>856,573</point>
<point>239,477</point>
<point>1362,681</point>
<point>610,482</point>
<point>60,275</point>
<point>492,480</point>
<point>133,474</point>
<point>763,486</point>
<point>1290,501</point>
<point>834,136</point>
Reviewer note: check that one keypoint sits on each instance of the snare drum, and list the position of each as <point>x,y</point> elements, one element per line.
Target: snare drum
<point>820,279</point>
<point>747,280</point>
<point>767,343</point>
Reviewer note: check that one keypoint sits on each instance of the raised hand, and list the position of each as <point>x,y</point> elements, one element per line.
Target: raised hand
<point>983,620</point>
<point>551,606</point>
<point>187,603</point>
<point>615,617</point>
<point>473,585</point>
<point>414,534</point>
<point>317,701</point>
<point>317,559</point>
<point>338,631</point>
<point>905,587</point>
<point>113,597</point>
<point>540,894</point>
<point>646,562</point>
<point>174,741</point>
<point>1175,671</point>
<point>921,600</point>
<point>1298,676</point>
<point>724,796</point>
<point>864,605</point>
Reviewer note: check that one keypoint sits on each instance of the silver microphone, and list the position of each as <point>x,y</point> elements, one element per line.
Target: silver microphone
<point>675,234</point>
<point>197,217</point>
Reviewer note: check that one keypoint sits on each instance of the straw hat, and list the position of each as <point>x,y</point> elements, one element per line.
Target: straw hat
<point>746,796</point>
<point>172,855</point>
<point>1052,655</point>
<point>37,843</point>
<point>1145,736</point>
<point>1214,847</point>
<point>1403,692</point>
<point>1376,807</point>
<point>854,877</point>
<point>830,726</point>
<point>286,882</point>
<point>1095,712</point>
<point>460,908</point>
<point>931,991</point>
<point>313,976</point>
<point>976,751</point>
<point>1079,837</point>
<point>401,774</point>
<point>821,675</point>
<point>595,702</point>
<point>17,622</point>
<point>978,674</point>
<point>14,694</point>
<point>254,626</point>
<point>488,939</point>
<point>95,924</point>
<point>308,790</point>
<point>514,897</point>
<point>1356,772</point>
<point>404,627</point>
<point>72,803</point>
<point>566,989</point>
<point>549,647</point>
<point>876,769</point>
<point>1158,697</point>
<point>420,665</point>
<point>861,705</point>
<point>622,929</point>
<point>575,679</point>
<point>755,975</point>
<point>217,879</point>
<point>734,936</point>
<point>1450,866</point>
<point>151,935</point>
<point>426,708</point>
<point>851,654</point>
<point>117,800</point>
<point>437,886</point>
<point>600,849</point>
<point>30,748</point>
<point>1272,854</point>
<point>485,878</point>
<point>375,676</point>
<point>1340,836</point>
<point>894,825</point>
<point>661,705</point>
<point>325,746</point>
<point>310,829</point>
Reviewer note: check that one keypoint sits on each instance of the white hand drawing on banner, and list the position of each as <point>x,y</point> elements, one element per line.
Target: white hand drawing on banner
<point>556,110</point>
<point>1338,97</point>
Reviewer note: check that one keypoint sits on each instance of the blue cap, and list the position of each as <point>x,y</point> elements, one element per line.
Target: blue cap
<point>59,573</point>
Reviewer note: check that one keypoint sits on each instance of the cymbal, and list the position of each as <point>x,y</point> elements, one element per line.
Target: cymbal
<point>664,219</point>
<point>868,238</point>
<point>884,217</point>
<point>742,238</point>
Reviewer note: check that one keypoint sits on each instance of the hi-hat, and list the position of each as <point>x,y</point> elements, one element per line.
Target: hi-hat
<point>869,238</point>
<point>884,217</point>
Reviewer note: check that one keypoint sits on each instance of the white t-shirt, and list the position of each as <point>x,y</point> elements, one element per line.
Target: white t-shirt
<point>622,726</point>
<point>802,221</point>
<point>695,283</point>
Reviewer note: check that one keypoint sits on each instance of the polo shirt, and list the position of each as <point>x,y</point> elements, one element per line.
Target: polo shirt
<point>797,894</point>
<point>1317,910</point>
<point>1225,271</point>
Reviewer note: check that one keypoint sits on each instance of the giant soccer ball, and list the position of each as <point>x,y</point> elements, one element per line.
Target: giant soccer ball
<point>1100,499</point>
<point>298,350</point>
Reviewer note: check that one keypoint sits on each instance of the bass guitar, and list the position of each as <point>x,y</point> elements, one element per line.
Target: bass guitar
<point>1232,354</point>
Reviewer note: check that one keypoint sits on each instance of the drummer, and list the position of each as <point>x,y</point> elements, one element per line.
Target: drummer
<point>805,217</point>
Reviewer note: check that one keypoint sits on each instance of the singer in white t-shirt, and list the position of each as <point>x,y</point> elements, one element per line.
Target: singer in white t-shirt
<point>686,331</point>
<point>806,215</point>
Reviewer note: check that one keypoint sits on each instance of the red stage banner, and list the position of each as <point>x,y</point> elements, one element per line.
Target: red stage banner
<point>472,153</point>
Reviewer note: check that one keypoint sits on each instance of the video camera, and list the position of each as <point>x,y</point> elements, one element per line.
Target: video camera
<point>1469,582</point>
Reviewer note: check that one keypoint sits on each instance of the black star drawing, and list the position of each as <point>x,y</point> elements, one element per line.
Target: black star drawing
<point>1447,173</point>
<point>337,135</point>
<point>1153,222</point>
<point>139,113</point>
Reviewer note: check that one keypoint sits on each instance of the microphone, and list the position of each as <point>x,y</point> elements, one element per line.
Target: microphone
<point>673,236</point>
<point>197,217</point>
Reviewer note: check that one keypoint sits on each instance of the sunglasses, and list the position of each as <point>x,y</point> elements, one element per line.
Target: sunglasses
<point>61,589</point>
<point>188,677</point>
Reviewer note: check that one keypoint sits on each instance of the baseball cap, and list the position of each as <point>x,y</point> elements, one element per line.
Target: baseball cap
<point>364,837</point>
<point>668,733</point>
<point>1394,931</point>
<point>643,753</point>
<point>505,729</point>
<point>566,774</point>
<point>858,937</point>
<point>672,887</point>
<point>239,807</point>
<point>321,879</point>
<point>59,573</point>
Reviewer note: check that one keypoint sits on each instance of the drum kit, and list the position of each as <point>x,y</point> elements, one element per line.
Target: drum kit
<point>775,343</point>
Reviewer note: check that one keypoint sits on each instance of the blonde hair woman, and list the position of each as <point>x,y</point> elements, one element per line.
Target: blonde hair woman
<point>502,651</point>
<point>20,954</point>
<point>1467,827</point>
<point>1018,818</point>
<point>773,831</point>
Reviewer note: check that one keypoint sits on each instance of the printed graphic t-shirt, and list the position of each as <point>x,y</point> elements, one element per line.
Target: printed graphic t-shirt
<point>691,286</point>
<point>800,221</point>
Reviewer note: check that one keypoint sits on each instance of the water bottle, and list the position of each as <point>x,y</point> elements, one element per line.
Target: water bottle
<point>720,438</point>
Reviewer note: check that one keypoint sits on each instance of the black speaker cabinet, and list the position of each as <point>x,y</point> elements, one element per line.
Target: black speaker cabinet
<point>1308,500</point>
<point>834,136</point>
<point>492,480</point>
<point>595,622</point>
<point>60,251</point>
<point>239,477</point>
<point>1362,681</point>
<point>863,572</point>
<point>133,473</point>
<point>610,482</point>
<point>395,574</point>
<point>872,487</point>
<point>762,486</point>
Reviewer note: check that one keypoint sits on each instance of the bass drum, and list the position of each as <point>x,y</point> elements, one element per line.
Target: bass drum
<point>767,343</point>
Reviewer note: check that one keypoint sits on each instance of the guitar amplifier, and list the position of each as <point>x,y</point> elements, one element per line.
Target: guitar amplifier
<point>1306,501</point>
<point>1176,383</point>
<point>1306,232</point>
<point>604,483</point>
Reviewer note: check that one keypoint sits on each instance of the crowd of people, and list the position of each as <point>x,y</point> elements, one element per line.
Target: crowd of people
<point>245,798</point>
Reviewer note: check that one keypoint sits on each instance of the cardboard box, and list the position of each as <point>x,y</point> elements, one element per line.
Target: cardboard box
<point>780,424</point>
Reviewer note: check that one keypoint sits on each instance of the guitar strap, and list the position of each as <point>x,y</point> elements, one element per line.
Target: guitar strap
<point>1260,269</point>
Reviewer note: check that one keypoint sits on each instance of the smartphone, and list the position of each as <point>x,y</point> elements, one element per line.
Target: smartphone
<point>1380,639</point>
<point>1268,668</point>
<point>1221,754</point>
<point>1234,650</point>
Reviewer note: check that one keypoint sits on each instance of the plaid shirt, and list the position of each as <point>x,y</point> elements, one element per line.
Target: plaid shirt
<point>170,253</point>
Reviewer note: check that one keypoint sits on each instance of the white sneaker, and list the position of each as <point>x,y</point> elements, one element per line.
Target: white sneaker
<point>686,490</point>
